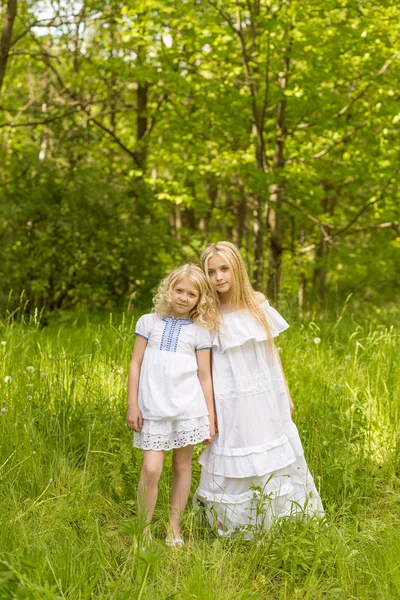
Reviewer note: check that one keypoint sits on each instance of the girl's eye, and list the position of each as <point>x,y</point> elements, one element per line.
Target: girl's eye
<point>224,268</point>
<point>211,272</point>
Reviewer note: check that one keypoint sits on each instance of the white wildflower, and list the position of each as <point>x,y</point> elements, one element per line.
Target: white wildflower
<point>7,379</point>
<point>4,343</point>
<point>347,357</point>
<point>29,398</point>
<point>3,410</point>
<point>280,349</point>
<point>317,340</point>
<point>29,385</point>
<point>30,369</point>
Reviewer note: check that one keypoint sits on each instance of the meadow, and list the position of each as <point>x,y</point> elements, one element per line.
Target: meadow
<point>68,471</point>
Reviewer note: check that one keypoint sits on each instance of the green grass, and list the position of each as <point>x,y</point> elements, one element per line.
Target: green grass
<point>68,473</point>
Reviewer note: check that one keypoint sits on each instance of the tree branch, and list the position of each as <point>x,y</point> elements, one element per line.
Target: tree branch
<point>391,225</point>
<point>344,138</point>
<point>367,205</point>
<point>313,219</point>
<point>36,23</point>
<point>361,93</point>
<point>132,153</point>
<point>329,238</point>
<point>11,124</point>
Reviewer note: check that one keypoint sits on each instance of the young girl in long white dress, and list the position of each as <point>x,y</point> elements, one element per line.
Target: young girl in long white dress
<point>170,395</point>
<point>254,471</point>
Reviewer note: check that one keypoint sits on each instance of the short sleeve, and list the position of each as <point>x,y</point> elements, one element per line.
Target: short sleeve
<point>143,327</point>
<point>203,341</point>
<point>276,322</point>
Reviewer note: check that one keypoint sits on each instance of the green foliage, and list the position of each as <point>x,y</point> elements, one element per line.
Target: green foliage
<point>134,132</point>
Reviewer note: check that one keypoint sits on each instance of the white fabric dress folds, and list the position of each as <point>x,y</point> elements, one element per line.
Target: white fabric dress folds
<point>254,471</point>
<point>170,396</point>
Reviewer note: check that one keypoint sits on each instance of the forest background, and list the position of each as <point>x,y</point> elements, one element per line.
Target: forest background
<point>134,132</point>
<point>131,134</point>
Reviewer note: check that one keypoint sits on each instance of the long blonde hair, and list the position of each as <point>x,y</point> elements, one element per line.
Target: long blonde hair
<point>205,313</point>
<point>243,294</point>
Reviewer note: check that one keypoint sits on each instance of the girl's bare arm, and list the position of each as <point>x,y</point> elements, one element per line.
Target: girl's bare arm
<point>134,418</point>
<point>204,374</point>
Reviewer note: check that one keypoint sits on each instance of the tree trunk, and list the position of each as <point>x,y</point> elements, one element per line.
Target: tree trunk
<point>141,126</point>
<point>320,271</point>
<point>45,138</point>
<point>178,221</point>
<point>212,194</point>
<point>275,249</point>
<point>301,291</point>
<point>189,218</point>
<point>143,203</point>
<point>5,43</point>
<point>277,194</point>
<point>241,219</point>
<point>260,211</point>
<point>258,106</point>
<point>258,226</point>
<point>328,204</point>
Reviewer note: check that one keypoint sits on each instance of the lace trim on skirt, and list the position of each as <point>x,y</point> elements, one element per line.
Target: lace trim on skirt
<point>166,435</point>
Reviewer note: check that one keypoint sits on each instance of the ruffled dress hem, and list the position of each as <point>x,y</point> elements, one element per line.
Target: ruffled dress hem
<point>248,503</point>
<point>241,463</point>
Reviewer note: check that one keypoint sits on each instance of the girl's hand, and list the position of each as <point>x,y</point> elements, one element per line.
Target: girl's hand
<point>213,431</point>
<point>134,418</point>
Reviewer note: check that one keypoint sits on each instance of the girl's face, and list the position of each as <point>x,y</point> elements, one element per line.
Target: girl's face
<point>185,296</point>
<point>220,274</point>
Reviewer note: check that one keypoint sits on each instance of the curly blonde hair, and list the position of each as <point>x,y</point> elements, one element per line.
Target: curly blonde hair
<point>243,294</point>
<point>205,313</point>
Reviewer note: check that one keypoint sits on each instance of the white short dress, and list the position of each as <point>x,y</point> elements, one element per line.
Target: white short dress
<point>170,396</point>
<point>254,471</point>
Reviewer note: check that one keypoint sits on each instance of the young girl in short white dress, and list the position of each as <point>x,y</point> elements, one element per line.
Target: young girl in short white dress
<point>254,471</point>
<point>170,395</point>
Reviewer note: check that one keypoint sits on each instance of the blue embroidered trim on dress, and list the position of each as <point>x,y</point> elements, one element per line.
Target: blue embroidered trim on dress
<point>172,330</point>
<point>141,335</point>
<point>204,348</point>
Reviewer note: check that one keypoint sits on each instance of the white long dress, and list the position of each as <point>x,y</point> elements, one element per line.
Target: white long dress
<point>254,471</point>
<point>170,396</point>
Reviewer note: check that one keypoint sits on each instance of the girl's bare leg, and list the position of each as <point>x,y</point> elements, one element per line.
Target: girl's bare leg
<point>181,479</point>
<point>153,461</point>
